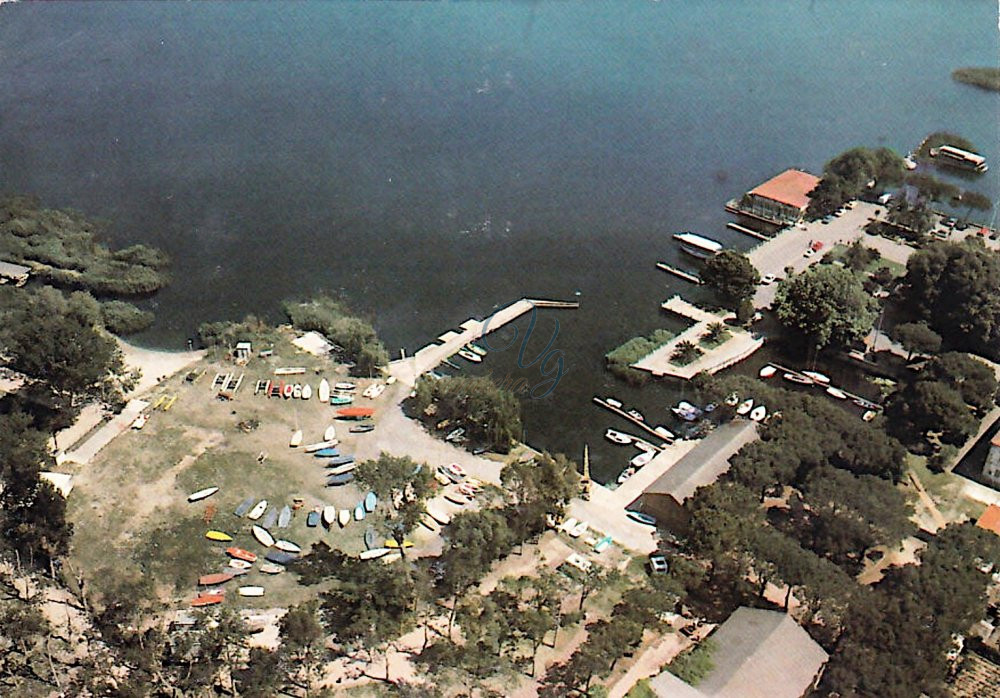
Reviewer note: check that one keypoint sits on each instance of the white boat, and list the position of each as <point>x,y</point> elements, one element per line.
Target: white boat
<point>329,515</point>
<point>579,529</point>
<point>697,245</point>
<point>617,437</point>
<point>240,564</point>
<point>642,459</point>
<point>345,386</point>
<point>250,591</point>
<point>817,376</point>
<point>263,536</point>
<point>341,469</point>
<point>625,475</point>
<point>869,415</point>
<point>475,349</point>
<point>469,356</point>
<point>836,392</point>
<point>258,510</point>
<point>758,413</point>
<point>307,391</point>
<point>297,391</point>
<point>271,568</point>
<point>614,403</point>
<point>745,406</point>
<point>374,553</point>
<point>344,517</point>
<point>296,439</point>
<point>664,432</point>
<point>686,411</point>
<point>767,371</point>
<point>429,523</point>
<point>287,546</point>
<point>796,378</point>
<point>373,390</point>
<point>438,515</point>
<point>323,392</point>
<point>202,494</point>
<point>636,414</point>
<point>331,432</point>
<point>140,421</point>
<point>320,445</point>
<point>289,371</point>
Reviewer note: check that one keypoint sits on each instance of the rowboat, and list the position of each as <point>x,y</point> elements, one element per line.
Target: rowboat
<point>345,386</point>
<point>341,400</point>
<point>297,391</point>
<point>795,378</point>
<point>326,453</point>
<point>279,557</point>
<point>429,523</point>
<point>371,538</point>
<point>244,506</point>
<point>285,517</point>
<point>359,512</point>
<point>470,356</point>
<point>218,536</point>
<point>207,600</point>
<point>438,515</point>
<point>373,553</point>
<point>869,415</point>
<point>617,404</point>
<point>617,437</point>
<point>745,406</point>
<point>258,510</point>
<point>202,494</point>
<point>208,580</point>
<point>342,459</point>
<point>362,429</point>
<point>241,554</point>
<point>817,376</point>
<point>312,519</point>
<point>319,445</point>
<point>329,515</point>
<point>287,546</point>
<point>355,412</point>
<point>270,518</point>
<point>286,391</point>
<point>307,391</point>
<point>836,392</point>
<point>240,564</point>
<point>331,432</point>
<point>456,498</point>
<point>625,474</point>
<point>373,390</point>
<point>758,413</point>
<point>371,501</point>
<point>296,439</point>
<point>271,568</point>
<point>250,591</point>
<point>263,536</point>
<point>343,468</point>
<point>344,517</point>
<point>767,371</point>
<point>639,517</point>
<point>323,392</point>
<point>475,349</point>
<point>338,480</point>
<point>391,543</point>
<point>289,371</point>
<point>642,459</point>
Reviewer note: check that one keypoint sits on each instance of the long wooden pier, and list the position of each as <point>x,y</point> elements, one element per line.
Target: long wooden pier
<point>747,231</point>
<point>637,422</point>
<point>687,276</point>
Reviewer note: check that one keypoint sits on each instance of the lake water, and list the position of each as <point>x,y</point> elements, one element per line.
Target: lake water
<point>429,161</point>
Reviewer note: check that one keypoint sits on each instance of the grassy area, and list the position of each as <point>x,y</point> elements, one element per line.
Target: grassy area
<point>620,359</point>
<point>839,251</point>
<point>985,78</point>
<point>641,690</point>
<point>945,489</point>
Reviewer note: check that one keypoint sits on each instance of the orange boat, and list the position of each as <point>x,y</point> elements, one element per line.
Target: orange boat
<point>241,554</point>
<point>355,412</point>
<point>213,579</point>
<point>208,600</point>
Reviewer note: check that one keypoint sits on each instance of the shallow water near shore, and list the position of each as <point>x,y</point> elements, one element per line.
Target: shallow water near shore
<point>429,161</point>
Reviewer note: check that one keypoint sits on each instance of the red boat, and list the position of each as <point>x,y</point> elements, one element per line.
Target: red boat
<point>241,554</point>
<point>208,600</point>
<point>286,390</point>
<point>213,579</point>
<point>355,412</point>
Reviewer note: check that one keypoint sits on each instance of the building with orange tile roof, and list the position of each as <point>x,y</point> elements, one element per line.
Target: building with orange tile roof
<point>781,200</point>
<point>990,520</point>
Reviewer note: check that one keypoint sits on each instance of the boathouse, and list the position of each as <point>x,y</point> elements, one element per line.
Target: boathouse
<point>991,468</point>
<point>780,201</point>
<point>13,273</point>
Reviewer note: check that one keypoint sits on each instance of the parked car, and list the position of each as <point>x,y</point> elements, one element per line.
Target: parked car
<point>949,222</point>
<point>768,279</point>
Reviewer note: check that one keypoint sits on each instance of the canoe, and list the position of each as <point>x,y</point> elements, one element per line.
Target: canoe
<point>312,519</point>
<point>208,580</point>
<point>359,512</point>
<point>371,501</point>
<point>745,406</point>
<point>758,413</point>
<point>767,371</point>
<point>319,446</point>
<point>355,412</point>
<point>323,392</point>
<point>345,386</point>
<point>297,391</point>
<point>244,506</point>
<point>371,538</point>
<point>287,546</point>
<point>456,498</point>
<point>286,391</point>
<point>329,515</point>
<point>817,376</point>
<point>342,459</point>
<point>296,439</point>
<point>391,543</point>
<point>250,591</point>
<point>341,400</point>
<point>207,600</point>
<point>279,557</point>
<point>639,517</point>
<point>240,564</point>
<point>362,429</point>
<point>307,391</point>
<point>263,536</point>
<point>331,432</point>
<point>342,469</point>
<point>218,536</point>
<point>270,519</point>
<point>241,554</point>
<point>338,480</point>
<point>343,517</point>
<point>202,494</point>
<point>271,568</point>
<point>258,510</point>
<point>429,523</point>
<point>836,392</point>
<point>373,553</point>
<point>285,517</point>
<point>326,453</point>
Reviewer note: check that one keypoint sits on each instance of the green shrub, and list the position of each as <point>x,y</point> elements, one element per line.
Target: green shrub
<point>124,318</point>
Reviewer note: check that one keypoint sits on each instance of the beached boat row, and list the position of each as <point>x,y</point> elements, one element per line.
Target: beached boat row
<point>815,378</point>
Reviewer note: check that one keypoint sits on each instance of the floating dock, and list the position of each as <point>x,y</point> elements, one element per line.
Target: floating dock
<point>748,231</point>
<point>687,276</point>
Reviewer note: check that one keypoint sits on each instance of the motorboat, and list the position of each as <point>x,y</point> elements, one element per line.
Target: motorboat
<point>758,413</point>
<point>686,411</point>
<point>767,371</point>
<point>470,356</point>
<point>745,406</point>
<point>817,377</point>
<point>626,474</point>
<point>617,437</point>
<point>836,392</point>
<point>636,414</point>
<point>614,403</point>
<point>296,439</point>
<point>642,459</point>
<point>639,517</point>
<point>475,348</point>
<point>801,379</point>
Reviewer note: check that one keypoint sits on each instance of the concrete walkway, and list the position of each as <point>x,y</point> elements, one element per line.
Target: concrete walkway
<point>649,663</point>
<point>119,423</point>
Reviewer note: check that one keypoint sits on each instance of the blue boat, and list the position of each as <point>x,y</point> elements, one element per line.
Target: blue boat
<point>269,518</point>
<point>285,517</point>
<point>279,557</point>
<point>342,479</point>
<point>371,500</point>
<point>244,506</point>
<point>340,460</point>
<point>312,520</point>
<point>371,538</point>
<point>639,517</point>
<point>326,453</point>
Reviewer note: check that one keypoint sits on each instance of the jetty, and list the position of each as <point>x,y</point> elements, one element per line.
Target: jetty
<point>747,231</point>
<point>686,275</point>
<point>637,422</point>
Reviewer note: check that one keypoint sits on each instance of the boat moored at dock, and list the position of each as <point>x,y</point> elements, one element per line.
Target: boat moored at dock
<point>698,245</point>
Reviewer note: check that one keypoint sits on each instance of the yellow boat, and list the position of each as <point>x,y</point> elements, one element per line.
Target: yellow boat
<point>219,536</point>
<point>159,401</point>
<point>391,543</point>
<point>169,403</point>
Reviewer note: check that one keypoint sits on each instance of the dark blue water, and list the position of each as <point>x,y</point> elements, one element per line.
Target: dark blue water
<point>431,160</point>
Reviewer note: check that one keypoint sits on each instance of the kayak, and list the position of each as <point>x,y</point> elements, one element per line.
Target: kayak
<point>218,536</point>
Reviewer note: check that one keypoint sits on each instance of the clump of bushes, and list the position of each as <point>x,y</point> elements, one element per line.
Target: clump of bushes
<point>619,360</point>
<point>355,338</point>
<point>124,318</point>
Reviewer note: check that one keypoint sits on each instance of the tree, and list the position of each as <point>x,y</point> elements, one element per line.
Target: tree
<point>301,637</point>
<point>914,219</point>
<point>489,414</point>
<point>924,407</point>
<point>714,332</point>
<point>825,304</point>
<point>537,489</point>
<point>848,175</point>
<point>931,187</point>
<point>731,274</point>
<point>917,337</point>
<point>974,380</point>
<point>745,312</point>
<point>858,257</point>
<point>401,482</point>
<point>684,353</point>
<point>974,200</point>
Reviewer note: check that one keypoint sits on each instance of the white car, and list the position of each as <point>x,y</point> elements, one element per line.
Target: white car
<point>809,252</point>
<point>768,279</point>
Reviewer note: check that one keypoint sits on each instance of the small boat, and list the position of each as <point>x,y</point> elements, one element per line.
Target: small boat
<point>338,480</point>
<point>263,536</point>
<point>244,506</point>
<point>326,453</point>
<point>202,494</point>
<point>866,404</point>
<point>626,474</point>
<point>767,371</point>
<point>359,512</point>
<point>745,406</point>
<point>758,413</point>
<point>355,412</point>
<point>454,470</point>
<point>250,591</point>
<point>240,564</point>
<point>438,515</point>
<point>645,446</point>
<point>373,390</point>
<point>329,515</point>
<point>617,437</point>
<point>289,371</point>
<point>796,378</point>
<point>297,391</point>
<point>371,538</point>
<point>429,523</point>
<point>457,499</point>
<point>287,546</point>
<point>470,356</point>
<point>271,568</point>
<point>345,386</point>
<point>312,519</point>
<point>817,377</point>
<point>279,557</point>
<point>207,600</point>
<point>285,517</point>
<point>468,490</point>
<point>210,580</point>
<point>270,518</point>
<point>140,421</point>
<point>241,554</point>
<point>455,434</point>
<point>238,571</point>
<point>331,431</point>
<point>451,364</point>
<point>639,517</point>
<point>475,348</point>
<point>373,553</point>
<point>663,432</point>
<point>642,459</point>
<point>636,414</point>
<point>869,415</point>
<point>286,390</point>
<point>371,501</point>
<point>394,556</point>
<point>319,446</point>
<point>296,439</point>
<point>362,428</point>
<point>344,517</point>
<point>258,510</point>
<point>307,391</point>
<point>614,403</point>
<point>323,392</point>
<point>732,399</point>
<point>686,411</point>
<point>342,468</point>
<point>391,543</point>
<point>341,400</point>
<point>579,529</point>
<point>218,536</point>
<point>836,392</point>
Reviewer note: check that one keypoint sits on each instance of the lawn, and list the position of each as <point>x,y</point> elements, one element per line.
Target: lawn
<point>898,270</point>
<point>945,489</point>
